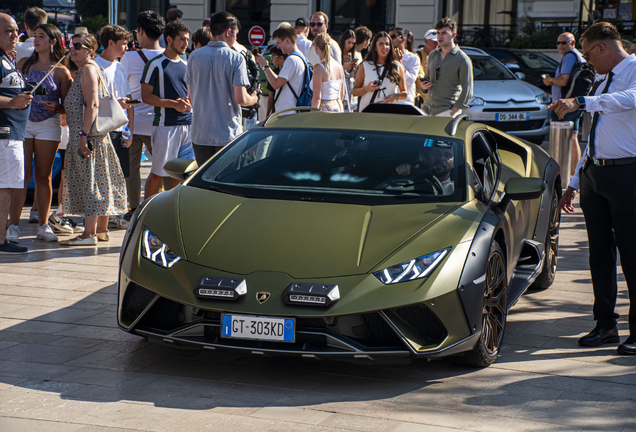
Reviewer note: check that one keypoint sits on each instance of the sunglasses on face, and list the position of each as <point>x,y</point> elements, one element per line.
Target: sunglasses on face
<point>562,43</point>
<point>394,36</point>
<point>315,24</point>
<point>78,46</point>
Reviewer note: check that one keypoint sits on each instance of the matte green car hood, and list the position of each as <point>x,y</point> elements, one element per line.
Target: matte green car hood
<point>303,239</point>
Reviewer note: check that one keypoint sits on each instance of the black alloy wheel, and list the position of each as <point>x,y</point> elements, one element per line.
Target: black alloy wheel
<point>494,311</point>
<point>546,277</point>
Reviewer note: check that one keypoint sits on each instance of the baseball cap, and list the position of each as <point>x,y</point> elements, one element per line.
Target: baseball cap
<point>301,22</point>
<point>431,35</point>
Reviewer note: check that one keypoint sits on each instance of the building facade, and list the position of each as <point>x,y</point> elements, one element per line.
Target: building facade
<point>481,22</point>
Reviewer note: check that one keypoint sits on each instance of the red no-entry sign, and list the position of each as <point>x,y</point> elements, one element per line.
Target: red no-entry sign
<point>256,36</point>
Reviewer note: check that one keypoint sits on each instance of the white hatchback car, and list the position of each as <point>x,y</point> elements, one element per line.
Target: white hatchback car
<point>502,100</point>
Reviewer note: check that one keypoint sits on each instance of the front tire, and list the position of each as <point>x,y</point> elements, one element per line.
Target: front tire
<point>494,311</point>
<point>546,277</point>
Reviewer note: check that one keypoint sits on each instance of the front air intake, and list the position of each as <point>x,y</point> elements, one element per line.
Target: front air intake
<point>421,319</point>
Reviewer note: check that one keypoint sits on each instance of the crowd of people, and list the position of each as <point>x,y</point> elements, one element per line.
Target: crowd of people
<point>169,82</point>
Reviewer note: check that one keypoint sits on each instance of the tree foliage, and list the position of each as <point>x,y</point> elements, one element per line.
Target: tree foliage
<point>19,6</point>
<point>91,8</point>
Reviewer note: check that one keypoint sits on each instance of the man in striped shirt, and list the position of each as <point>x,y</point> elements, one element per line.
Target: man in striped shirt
<point>163,86</point>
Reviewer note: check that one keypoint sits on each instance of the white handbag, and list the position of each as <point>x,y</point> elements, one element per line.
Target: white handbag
<point>110,115</point>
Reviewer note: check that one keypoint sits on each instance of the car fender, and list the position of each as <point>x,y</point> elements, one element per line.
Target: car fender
<point>472,281</point>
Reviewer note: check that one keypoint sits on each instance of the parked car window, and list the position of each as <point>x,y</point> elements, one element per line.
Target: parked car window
<point>505,57</point>
<point>486,68</point>
<point>537,61</point>
<point>367,167</point>
<point>485,168</point>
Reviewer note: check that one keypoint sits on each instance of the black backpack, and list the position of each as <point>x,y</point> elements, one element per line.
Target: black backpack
<point>581,80</point>
<point>254,77</point>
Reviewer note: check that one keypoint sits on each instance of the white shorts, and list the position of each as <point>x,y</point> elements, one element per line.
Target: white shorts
<point>64,140</point>
<point>166,141</point>
<point>47,130</point>
<point>11,164</point>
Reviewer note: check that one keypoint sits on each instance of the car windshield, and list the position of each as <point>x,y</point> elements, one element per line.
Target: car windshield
<point>486,68</point>
<point>537,61</point>
<point>347,166</point>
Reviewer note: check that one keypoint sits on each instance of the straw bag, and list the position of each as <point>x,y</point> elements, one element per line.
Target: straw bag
<point>110,115</point>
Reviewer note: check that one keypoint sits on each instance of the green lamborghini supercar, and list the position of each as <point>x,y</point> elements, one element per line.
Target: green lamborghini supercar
<point>368,235</point>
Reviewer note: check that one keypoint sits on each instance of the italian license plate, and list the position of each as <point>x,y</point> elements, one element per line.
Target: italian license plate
<point>258,328</point>
<point>512,116</point>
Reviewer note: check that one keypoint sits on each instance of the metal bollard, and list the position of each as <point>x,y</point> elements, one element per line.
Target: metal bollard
<point>561,147</point>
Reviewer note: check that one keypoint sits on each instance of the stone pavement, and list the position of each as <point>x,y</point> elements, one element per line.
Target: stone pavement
<point>65,366</point>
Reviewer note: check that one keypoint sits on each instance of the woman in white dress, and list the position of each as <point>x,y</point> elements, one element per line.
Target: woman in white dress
<point>383,75</point>
<point>328,78</point>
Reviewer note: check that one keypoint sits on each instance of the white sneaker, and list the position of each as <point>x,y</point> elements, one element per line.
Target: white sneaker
<point>33,216</point>
<point>60,224</point>
<point>13,234</point>
<point>46,233</point>
<point>77,229</point>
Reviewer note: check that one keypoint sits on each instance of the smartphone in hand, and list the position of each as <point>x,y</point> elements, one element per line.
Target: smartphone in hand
<point>135,40</point>
<point>90,147</point>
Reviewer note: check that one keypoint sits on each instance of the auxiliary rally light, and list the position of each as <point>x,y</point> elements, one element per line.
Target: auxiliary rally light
<point>222,288</point>
<point>306,293</point>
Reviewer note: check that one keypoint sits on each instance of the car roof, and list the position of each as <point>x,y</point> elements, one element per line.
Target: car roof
<point>474,51</point>
<point>381,122</point>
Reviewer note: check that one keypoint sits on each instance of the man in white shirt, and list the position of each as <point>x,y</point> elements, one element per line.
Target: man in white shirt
<point>33,17</point>
<point>302,30</point>
<point>319,23</point>
<point>291,74</point>
<point>606,177</point>
<point>410,61</point>
<point>115,39</point>
<point>150,26</point>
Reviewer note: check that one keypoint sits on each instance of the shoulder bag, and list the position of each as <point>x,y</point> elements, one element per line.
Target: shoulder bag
<point>110,115</point>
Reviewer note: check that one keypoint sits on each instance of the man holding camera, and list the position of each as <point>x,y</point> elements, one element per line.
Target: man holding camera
<point>14,112</point>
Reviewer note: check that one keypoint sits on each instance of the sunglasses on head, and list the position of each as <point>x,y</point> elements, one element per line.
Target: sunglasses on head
<point>316,24</point>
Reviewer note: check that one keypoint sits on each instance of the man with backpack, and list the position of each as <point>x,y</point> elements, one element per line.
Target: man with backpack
<point>295,75</point>
<point>571,79</point>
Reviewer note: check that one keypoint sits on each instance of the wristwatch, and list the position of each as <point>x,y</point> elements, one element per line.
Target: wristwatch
<point>581,101</point>
<point>84,134</point>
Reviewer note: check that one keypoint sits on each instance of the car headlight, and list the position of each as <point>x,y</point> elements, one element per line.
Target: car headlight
<point>544,99</point>
<point>409,270</point>
<point>476,101</point>
<point>156,251</point>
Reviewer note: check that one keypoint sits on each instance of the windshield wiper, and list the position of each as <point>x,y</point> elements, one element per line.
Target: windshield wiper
<point>218,189</point>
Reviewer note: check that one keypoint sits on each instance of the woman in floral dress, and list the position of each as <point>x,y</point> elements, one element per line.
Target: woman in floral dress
<point>94,184</point>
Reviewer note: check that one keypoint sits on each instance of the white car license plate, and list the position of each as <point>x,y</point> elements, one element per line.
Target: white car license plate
<point>512,116</point>
<point>258,328</point>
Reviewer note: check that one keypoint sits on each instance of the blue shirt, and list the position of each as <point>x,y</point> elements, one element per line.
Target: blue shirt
<point>11,85</point>
<point>167,79</point>
<point>213,72</point>
<point>565,68</point>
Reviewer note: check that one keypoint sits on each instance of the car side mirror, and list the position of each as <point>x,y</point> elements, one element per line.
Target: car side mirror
<point>520,75</point>
<point>521,188</point>
<point>180,169</point>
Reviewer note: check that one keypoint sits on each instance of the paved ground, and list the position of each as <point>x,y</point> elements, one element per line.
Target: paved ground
<point>65,366</point>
